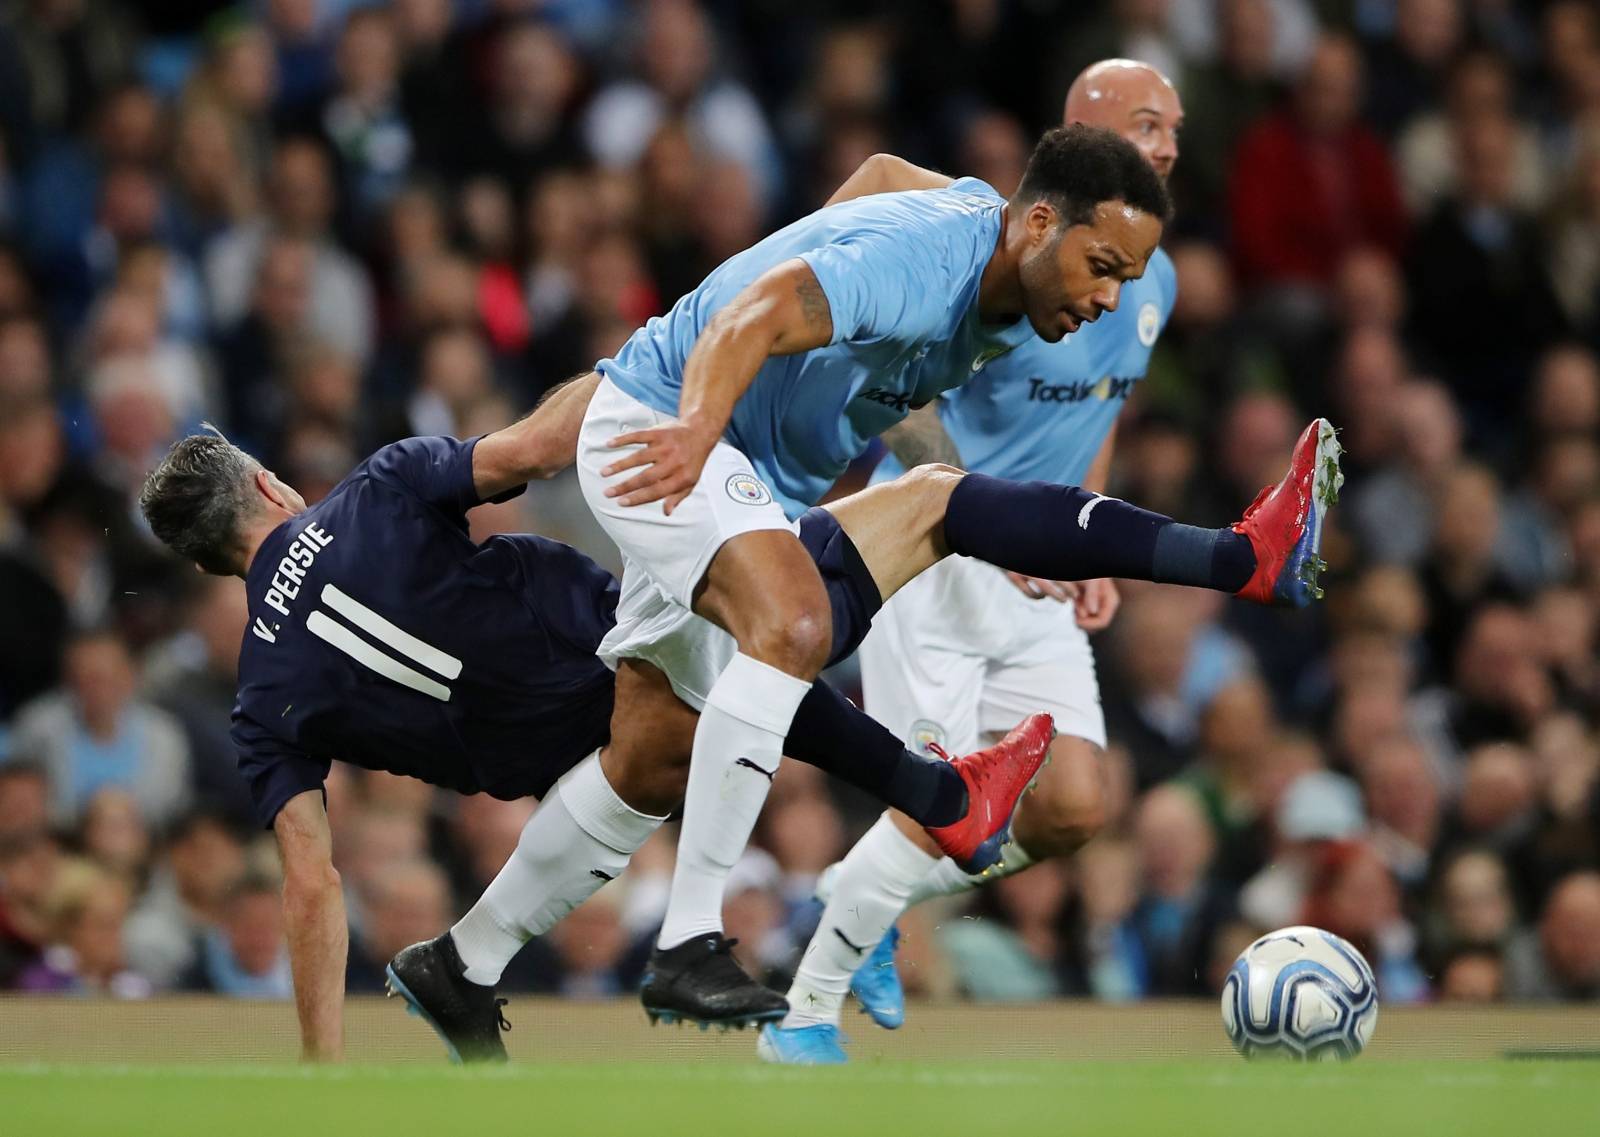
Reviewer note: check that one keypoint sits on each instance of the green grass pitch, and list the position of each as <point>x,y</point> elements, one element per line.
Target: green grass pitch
<point>1018,1099</point>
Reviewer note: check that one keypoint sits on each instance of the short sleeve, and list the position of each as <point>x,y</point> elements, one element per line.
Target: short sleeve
<point>976,186</point>
<point>436,469</point>
<point>894,279</point>
<point>273,771</point>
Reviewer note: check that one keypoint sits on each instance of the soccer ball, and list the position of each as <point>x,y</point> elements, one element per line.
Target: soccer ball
<point>1300,993</point>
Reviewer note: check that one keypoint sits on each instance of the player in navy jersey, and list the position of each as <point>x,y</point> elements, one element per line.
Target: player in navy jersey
<point>381,634</point>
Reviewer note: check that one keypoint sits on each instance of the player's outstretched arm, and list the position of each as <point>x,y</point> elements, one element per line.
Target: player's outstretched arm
<point>885,173</point>
<point>540,446</point>
<point>783,312</point>
<point>314,919</point>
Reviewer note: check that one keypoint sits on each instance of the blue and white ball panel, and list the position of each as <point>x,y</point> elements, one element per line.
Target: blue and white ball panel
<point>1300,993</point>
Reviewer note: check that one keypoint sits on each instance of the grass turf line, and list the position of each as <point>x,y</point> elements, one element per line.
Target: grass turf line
<point>1196,1099</point>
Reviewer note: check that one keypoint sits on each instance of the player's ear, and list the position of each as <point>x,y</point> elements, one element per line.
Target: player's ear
<point>1041,219</point>
<point>278,493</point>
<point>267,486</point>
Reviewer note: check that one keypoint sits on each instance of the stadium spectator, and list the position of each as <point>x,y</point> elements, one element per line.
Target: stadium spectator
<point>403,902</point>
<point>199,863</point>
<point>1479,86</point>
<point>676,69</point>
<point>1481,250</point>
<point>246,956</point>
<point>1224,94</point>
<point>1015,955</point>
<point>1475,909</point>
<point>361,117</point>
<point>115,836</point>
<point>301,202</point>
<point>30,863</point>
<point>87,908</point>
<point>194,676</point>
<point>1561,960</point>
<point>1354,895</point>
<point>1181,906</point>
<point>1472,977</point>
<point>592,951</point>
<point>97,732</point>
<point>1312,182</point>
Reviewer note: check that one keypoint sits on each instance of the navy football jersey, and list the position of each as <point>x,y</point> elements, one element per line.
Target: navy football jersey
<point>381,635</point>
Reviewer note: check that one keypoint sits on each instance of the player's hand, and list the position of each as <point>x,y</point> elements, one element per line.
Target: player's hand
<point>669,461</point>
<point>1098,601</point>
<point>1037,588</point>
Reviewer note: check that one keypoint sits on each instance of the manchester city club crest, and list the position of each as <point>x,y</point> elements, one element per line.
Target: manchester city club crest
<point>925,733</point>
<point>1149,323</point>
<point>748,489</point>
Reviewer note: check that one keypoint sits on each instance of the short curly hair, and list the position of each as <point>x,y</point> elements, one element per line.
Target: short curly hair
<point>198,498</point>
<point>1075,168</point>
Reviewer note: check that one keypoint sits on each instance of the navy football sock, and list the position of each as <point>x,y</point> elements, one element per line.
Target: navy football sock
<point>1067,533</point>
<point>833,734</point>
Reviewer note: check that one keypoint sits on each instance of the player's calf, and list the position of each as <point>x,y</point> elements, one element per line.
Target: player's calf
<point>898,526</point>
<point>652,734</point>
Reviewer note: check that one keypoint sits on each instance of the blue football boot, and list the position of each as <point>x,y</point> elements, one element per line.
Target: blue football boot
<point>818,1045</point>
<point>876,984</point>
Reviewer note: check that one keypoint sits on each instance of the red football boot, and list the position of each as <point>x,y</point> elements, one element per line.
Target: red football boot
<point>1285,522</point>
<point>995,780</point>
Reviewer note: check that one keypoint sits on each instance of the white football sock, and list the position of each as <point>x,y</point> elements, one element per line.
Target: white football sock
<point>737,748</point>
<point>947,879</point>
<point>581,836</point>
<point>869,892</point>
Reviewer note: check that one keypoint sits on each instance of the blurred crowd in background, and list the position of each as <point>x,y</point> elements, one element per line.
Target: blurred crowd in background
<point>323,225</point>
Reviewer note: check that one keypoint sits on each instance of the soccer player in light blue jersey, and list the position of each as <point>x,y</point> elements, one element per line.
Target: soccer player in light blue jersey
<point>966,645</point>
<point>715,425</point>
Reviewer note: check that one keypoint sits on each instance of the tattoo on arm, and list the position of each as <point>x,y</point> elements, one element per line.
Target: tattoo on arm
<point>921,439</point>
<point>814,306</point>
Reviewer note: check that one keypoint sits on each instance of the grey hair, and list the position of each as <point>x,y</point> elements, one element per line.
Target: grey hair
<point>197,500</point>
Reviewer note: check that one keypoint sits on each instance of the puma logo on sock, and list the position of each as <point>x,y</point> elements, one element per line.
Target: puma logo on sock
<point>601,875</point>
<point>767,774</point>
<point>846,941</point>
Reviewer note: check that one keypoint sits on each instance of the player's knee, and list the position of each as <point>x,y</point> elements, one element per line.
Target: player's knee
<point>935,481</point>
<point>649,780</point>
<point>793,636</point>
<point>930,485</point>
<point>659,790</point>
<point>1068,806</point>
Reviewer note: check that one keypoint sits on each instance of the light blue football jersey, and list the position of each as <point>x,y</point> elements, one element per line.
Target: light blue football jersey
<point>901,273</point>
<point>1042,412</point>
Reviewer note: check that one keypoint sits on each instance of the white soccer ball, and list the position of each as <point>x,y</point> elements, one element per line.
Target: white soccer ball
<point>1300,993</point>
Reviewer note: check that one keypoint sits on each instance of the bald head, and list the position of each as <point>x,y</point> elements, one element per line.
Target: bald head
<point>1133,99</point>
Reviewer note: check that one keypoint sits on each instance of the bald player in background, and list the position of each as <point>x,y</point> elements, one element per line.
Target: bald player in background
<point>959,649</point>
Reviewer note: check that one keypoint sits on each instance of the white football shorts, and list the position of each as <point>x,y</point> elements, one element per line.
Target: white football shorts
<point>959,656</point>
<point>674,549</point>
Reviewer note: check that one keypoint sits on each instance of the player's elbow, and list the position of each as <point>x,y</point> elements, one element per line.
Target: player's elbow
<point>309,884</point>
<point>755,316</point>
<point>878,170</point>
